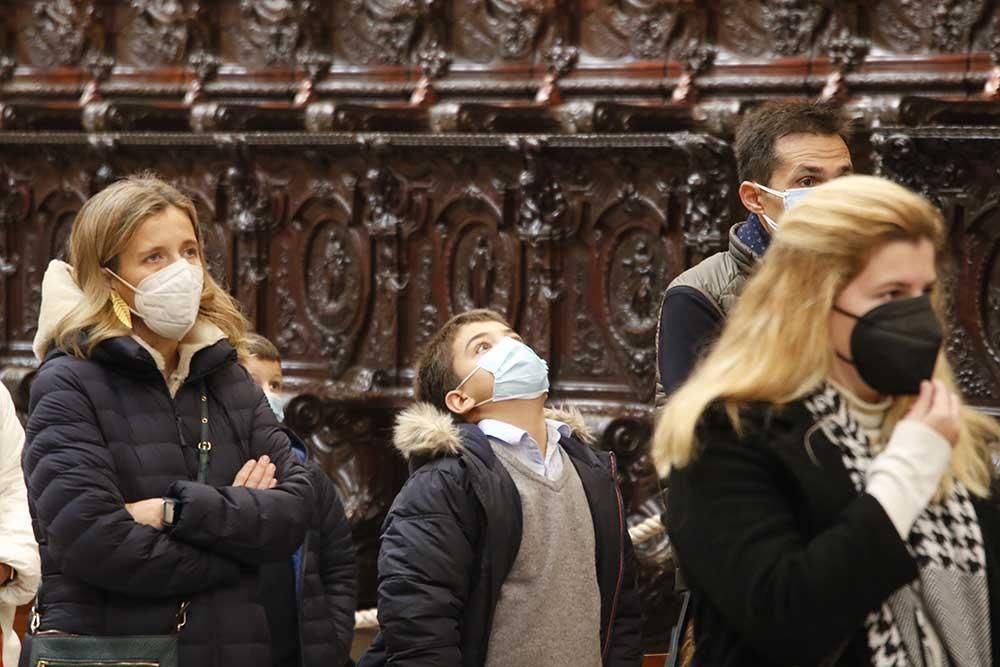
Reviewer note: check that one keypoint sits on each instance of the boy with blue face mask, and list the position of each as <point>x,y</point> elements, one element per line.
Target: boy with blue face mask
<point>507,545</point>
<point>309,600</point>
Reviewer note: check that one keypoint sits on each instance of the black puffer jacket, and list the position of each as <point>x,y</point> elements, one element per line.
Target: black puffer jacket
<point>453,533</point>
<point>328,584</point>
<point>105,431</point>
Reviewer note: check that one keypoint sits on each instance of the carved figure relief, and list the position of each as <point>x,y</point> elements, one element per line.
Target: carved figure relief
<point>482,262</point>
<point>913,26</point>
<point>772,27</point>
<point>502,29</point>
<point>273,31</point>
<point>643,29</point>
<point>161,31</point>
<point>60,32</point>
<point>382,32</point>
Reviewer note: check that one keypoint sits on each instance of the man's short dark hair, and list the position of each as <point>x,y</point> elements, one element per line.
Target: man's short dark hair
<point>435,375</point>
<point>760,130</point>
<point>258,347</point>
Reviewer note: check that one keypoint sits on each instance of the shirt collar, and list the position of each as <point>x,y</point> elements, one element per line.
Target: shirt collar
<point>511,434</point>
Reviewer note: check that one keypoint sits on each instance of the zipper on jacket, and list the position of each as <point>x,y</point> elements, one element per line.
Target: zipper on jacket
<point>621,556</point>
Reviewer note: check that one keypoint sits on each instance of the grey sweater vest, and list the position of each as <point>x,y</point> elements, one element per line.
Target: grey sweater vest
<point>549,609</point>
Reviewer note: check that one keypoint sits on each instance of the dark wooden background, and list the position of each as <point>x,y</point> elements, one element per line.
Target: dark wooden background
<point>366,168</point>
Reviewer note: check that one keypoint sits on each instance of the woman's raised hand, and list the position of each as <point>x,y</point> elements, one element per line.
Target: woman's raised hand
<point>938,408</point>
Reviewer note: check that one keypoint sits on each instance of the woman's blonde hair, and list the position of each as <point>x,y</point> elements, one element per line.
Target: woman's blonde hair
<point>101,230</point>
<point>774,346</point>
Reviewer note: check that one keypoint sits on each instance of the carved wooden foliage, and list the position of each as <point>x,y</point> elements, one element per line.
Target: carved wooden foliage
<point>908,26</point>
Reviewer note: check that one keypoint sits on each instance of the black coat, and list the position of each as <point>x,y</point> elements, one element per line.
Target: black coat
<point>451,537</point>
<point>328,580</point>
<point>783,556</point>
<point>105,431</point>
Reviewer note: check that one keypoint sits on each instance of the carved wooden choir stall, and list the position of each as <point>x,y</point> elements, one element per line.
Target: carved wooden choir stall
<point>364,169</point>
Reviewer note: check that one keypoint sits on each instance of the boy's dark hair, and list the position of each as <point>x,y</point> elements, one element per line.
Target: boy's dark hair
<point>435,373</point>
<point>760,130</point>
<point>258,347</point>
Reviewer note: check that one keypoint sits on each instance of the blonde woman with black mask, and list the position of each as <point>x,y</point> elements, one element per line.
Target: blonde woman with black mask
<point>830,496</point>
<point>158,478</point>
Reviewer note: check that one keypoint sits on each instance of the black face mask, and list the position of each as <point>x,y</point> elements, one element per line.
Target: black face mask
<point>895,346</point>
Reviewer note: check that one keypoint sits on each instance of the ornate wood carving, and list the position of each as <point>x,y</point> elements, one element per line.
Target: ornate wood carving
<point>383,32</point>
<point>272,32</point>
<point>164,32</point>
<point>365,169</point>
<point>60,32</point>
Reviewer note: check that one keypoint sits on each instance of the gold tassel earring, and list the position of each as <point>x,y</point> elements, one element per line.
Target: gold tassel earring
<point>122,312</point>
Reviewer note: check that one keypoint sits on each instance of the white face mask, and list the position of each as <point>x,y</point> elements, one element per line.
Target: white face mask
<point>168,300</point>
<point>518,373</point>
<point>277,404</point>
<point>790,197</point>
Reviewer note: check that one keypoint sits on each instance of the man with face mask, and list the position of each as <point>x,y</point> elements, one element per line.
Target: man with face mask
<point>782,149</point>
<point>508,544</point>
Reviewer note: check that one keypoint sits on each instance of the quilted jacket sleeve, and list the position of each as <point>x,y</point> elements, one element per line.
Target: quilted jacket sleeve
<point>79,510</point>
<point>250,525</point>
<point>423,570</point>
<point>338,568</point>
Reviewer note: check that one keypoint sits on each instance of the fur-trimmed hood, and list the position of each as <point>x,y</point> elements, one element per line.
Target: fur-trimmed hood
<point>423,430</point>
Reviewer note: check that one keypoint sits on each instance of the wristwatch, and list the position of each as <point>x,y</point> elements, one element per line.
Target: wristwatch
<point>171,512</point>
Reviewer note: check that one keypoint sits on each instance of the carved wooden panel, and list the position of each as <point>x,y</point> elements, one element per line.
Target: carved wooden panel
<point>957,169</point>
<point>365,169</point>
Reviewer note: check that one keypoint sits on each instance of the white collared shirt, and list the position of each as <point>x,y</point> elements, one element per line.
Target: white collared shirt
<point>526,448</point>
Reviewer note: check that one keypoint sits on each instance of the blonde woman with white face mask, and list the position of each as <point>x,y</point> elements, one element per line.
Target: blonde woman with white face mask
<point>158,478</point>
<point>831,499</point>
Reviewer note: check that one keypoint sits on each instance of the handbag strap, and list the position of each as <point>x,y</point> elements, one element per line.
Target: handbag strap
<point>180,619</point>
<point>205,443</point>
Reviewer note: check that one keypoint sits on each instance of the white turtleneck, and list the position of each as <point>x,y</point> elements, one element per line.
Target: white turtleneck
<point>904,477</point>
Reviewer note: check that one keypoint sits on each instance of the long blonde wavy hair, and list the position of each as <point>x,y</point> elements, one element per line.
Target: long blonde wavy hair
<point>774,347</point>
<point>101,230</point>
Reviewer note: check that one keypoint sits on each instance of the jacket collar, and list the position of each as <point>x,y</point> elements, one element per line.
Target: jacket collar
<point>741,253</point>
<point>128,356</point>
<point>424,432</point>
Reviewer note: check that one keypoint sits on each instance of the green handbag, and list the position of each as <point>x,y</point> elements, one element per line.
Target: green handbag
<point>51,648</point>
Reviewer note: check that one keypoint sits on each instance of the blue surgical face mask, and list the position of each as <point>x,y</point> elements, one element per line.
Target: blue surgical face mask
<point>790,197</point>
<point>277,404</point>
<point>518,373</point>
